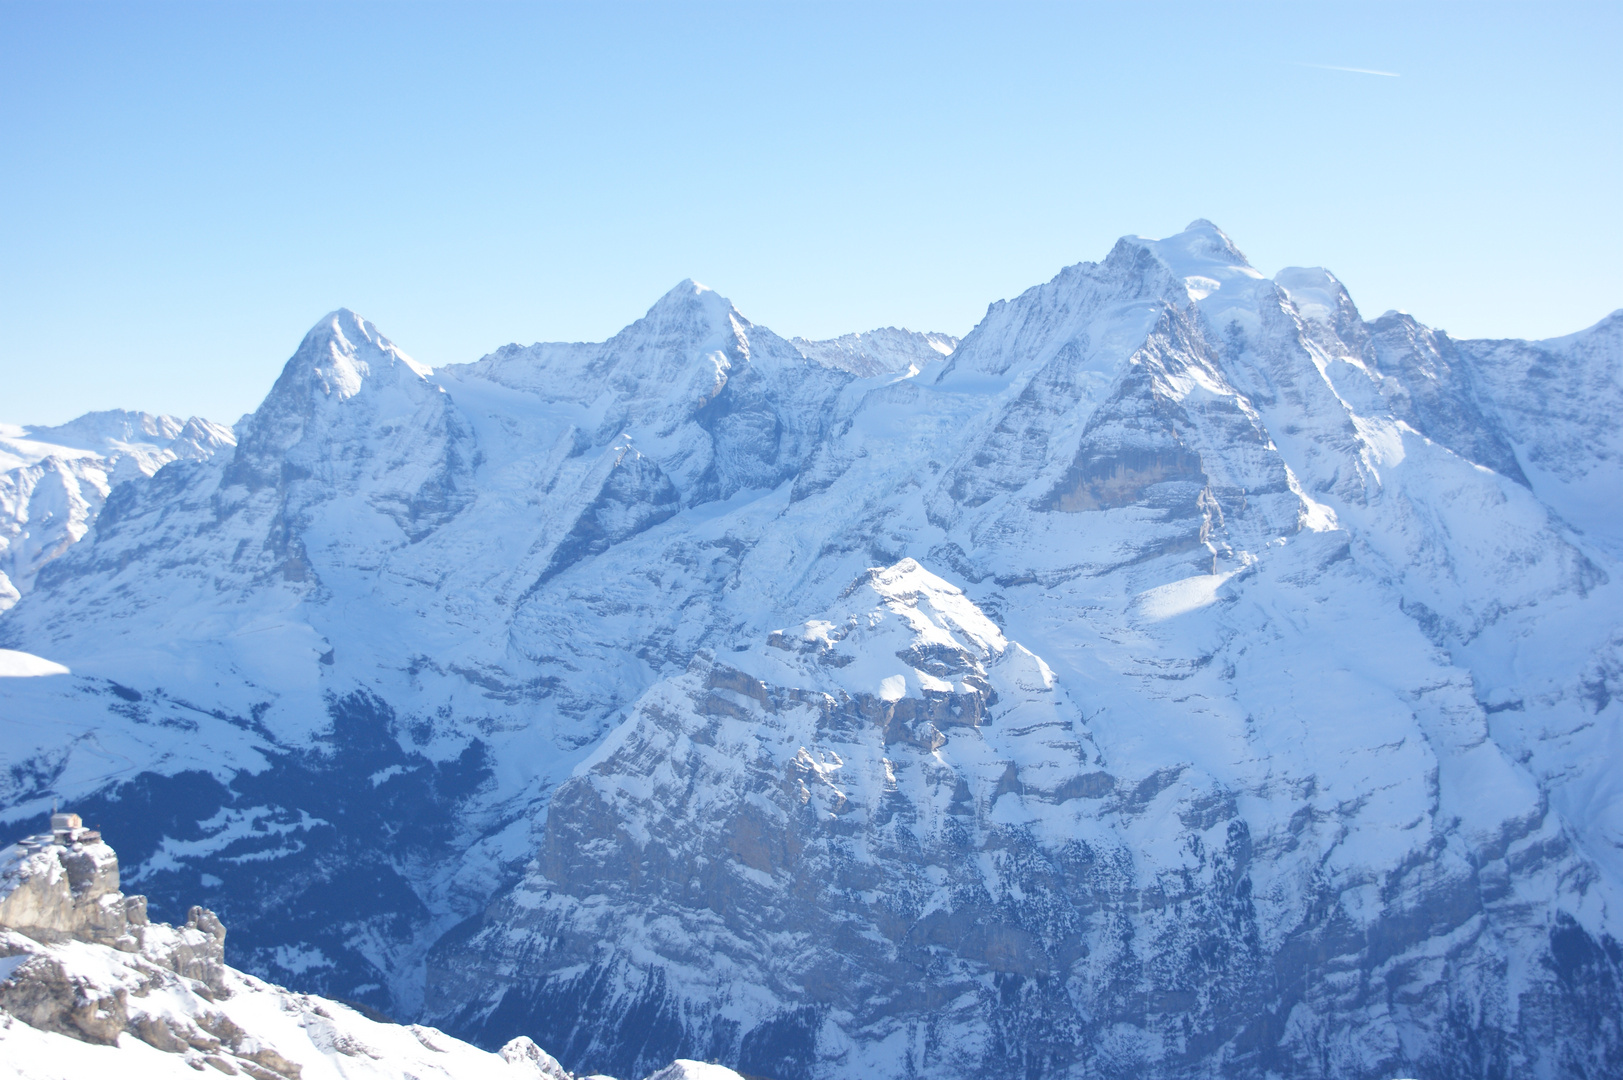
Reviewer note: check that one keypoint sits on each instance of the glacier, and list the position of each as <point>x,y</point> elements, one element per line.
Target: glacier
<point>1181,675</point>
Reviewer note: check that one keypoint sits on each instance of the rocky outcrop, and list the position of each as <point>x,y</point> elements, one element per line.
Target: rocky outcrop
<point>523,1052</point>
<point>53,890</point>
<point>84,974</point>
<point>62,888</point>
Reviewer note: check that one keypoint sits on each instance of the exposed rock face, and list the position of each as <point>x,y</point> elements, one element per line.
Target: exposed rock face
<point>51,891</point>
<point>887,844</point>
<point>80,966</point>
<point>524,1053</point>
<point>1333,603</point>
<point>816,804</point>
<point>63,887</point>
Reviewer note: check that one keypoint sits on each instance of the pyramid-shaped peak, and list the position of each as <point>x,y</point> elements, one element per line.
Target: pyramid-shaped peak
<point>343,329</point>
<point>690,315</point>
<point>349,344</point>
<point>339,353</point>
<point>686,296</point>
<point>921,604</point>
<point>685,289</point>
<point>340,329</point>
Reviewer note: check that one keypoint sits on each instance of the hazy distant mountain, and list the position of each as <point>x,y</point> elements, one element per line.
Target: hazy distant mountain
<point>1179,676</point>
<point>55,479</point>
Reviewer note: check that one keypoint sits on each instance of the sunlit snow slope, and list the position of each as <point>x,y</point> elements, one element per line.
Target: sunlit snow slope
<point>1181,675</point>
<point>55,479</point>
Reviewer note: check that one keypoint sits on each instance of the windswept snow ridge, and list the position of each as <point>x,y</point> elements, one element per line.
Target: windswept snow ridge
<point>54,480</point>
<point>1180,675</point>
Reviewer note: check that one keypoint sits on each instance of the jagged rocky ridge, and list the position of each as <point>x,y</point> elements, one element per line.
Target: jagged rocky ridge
<point>54,480</point>
<point>89,986</point>
<point>1326,606</point>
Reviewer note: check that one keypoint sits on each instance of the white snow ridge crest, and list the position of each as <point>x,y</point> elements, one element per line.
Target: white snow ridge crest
<point>1181,675</point>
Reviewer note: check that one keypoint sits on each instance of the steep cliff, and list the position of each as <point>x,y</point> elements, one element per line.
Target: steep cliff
<point>414,687</point>
<point>89,986</point>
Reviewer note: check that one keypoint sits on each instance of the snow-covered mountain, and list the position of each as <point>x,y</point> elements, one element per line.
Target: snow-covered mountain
<point>1181,675</point>
<point>89,986</point>
<point>54,480</point>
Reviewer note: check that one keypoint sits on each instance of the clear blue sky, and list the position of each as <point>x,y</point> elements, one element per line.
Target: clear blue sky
<point>184,189</point>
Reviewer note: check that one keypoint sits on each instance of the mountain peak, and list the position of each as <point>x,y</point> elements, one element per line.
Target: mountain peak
<point>686,295</point>
<point>688,315</point>
<point>341,354</point>
<point>1205,258</point>
<point>892,610</point>
<point>1204,242</point>
<point>343,348</point>
<point>1319,296</point>
<point>584,608</point>
<point>97,430</point>
<point>886,350</point>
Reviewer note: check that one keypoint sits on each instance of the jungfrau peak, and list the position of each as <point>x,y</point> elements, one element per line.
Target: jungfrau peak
<point>1181,675</point>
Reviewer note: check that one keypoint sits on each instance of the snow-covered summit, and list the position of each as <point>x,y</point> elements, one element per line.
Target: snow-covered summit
<point>146,441</point>
<point>1184,674</point>
<point>343,348</point>
<point>113,429</point>
<point>55,479</point>
<point>896,631</point>
<point>339,355</point>
<point>1204,259</point>
<point>687,300</point>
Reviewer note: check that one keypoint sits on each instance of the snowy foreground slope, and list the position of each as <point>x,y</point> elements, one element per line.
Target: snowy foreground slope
<point>89,986</point>
<point>1182,675</point>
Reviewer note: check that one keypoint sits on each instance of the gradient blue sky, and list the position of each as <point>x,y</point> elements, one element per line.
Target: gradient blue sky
<point>185,189</point>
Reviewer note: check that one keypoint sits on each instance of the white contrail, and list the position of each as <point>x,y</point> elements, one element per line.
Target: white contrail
<point>1355,71</point>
